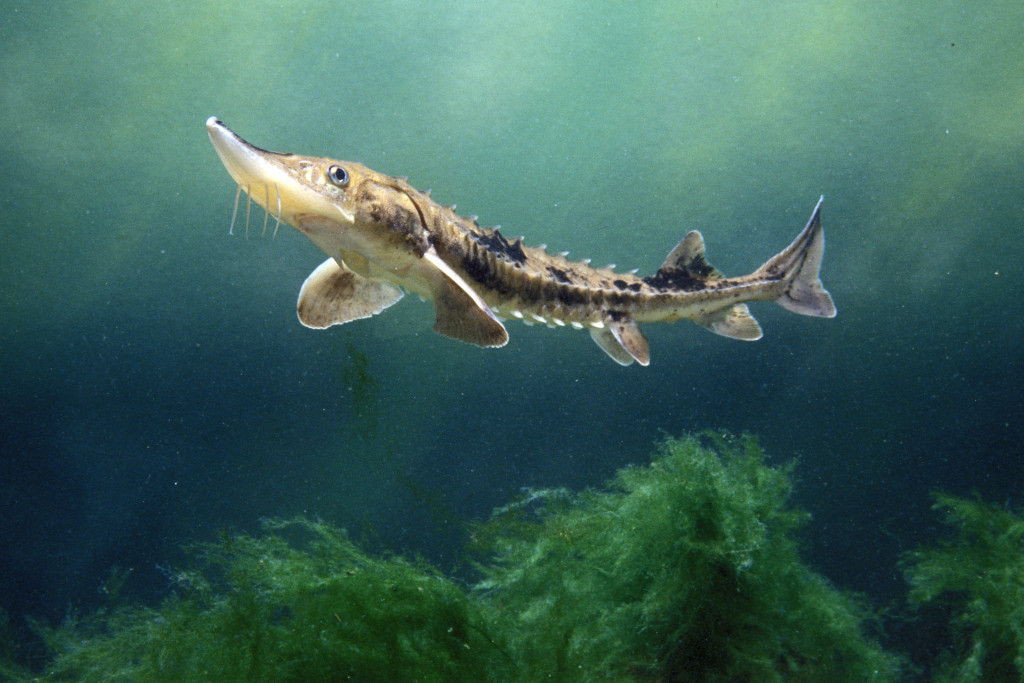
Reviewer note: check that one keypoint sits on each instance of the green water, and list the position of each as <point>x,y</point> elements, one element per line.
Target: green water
<point>157,385</point>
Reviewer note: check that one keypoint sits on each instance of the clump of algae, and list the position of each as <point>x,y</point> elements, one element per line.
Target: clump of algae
<point>281,608</point>
<point>684,569</point>
<point>979,573</point>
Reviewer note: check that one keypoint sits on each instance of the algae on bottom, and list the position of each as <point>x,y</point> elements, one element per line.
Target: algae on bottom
<point>300,603</point>
<point>686,569</point>
<point>980,574</point>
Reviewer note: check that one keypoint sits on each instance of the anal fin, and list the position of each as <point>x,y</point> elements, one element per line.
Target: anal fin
<point>734,322</point>
<point>460,312</point>
<point>623,342</point>
<point>333,294</point>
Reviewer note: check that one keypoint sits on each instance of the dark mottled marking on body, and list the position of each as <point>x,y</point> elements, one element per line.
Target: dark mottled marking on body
<point>559,275</point>
<point>395,217</point>
<point>689,277</point>
<point>483,267</point>
<point>571,296</point>
<point>496,264</point>
<point>475,263</point>
<point>675,279</point>
<point>617,316</point>
<point>497,244</point>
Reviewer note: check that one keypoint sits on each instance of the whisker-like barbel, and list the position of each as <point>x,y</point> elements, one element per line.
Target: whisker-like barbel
<point>234,211</point>
<point>277,225</point>
<point>267,213</point>
<point>266,208</point>
<point>248,207</point>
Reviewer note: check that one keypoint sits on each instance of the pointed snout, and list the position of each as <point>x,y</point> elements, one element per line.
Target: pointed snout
<point>246,164</point>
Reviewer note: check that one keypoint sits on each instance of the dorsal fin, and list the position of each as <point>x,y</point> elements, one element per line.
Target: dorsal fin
<point>688,257</point>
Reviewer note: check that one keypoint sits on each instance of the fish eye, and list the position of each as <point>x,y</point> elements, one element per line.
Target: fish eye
<point>338,175</point>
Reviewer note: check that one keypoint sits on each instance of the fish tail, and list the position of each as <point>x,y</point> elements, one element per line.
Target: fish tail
<point>798,265</point>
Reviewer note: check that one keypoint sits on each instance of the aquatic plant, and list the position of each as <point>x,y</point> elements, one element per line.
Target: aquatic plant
<point>309,607</point>
<point>364,391</point>
<point>979,573</point>
<point>685,570</point>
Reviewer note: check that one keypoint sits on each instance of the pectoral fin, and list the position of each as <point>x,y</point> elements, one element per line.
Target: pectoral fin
<point>735,322</point>
<point>623,342</point>
<point>333,294</point>
<point>461,313</point>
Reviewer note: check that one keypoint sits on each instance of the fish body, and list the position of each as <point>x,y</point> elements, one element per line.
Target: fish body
<point>382,236</point>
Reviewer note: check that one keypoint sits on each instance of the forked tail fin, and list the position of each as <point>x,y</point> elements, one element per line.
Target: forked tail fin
<point>798,265</point>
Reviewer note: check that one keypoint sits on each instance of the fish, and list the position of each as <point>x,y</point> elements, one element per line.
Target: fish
<point>384,238</point>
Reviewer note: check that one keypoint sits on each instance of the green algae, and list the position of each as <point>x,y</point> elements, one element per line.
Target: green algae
<point>979,573</point>
<point>684,569</point>
<point>364,391</point>
<point>282,608</point>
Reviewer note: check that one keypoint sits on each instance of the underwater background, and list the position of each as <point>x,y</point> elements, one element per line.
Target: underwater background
<point>155,383</point>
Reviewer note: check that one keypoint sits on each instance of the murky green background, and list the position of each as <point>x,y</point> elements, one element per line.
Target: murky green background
<point>156,384</point>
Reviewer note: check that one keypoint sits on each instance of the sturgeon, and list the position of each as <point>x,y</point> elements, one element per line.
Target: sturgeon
<point>383,237</point>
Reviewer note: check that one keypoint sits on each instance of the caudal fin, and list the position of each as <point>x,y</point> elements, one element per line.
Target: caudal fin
<point>798,265</point>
